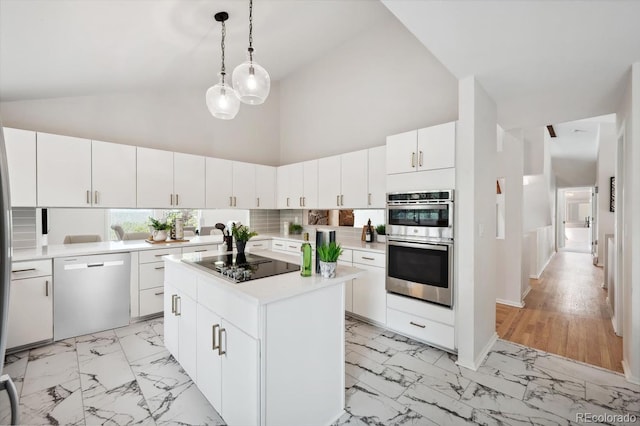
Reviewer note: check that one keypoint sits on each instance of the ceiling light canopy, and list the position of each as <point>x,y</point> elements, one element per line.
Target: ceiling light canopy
<point>222,99</point>
<point>250,80</point>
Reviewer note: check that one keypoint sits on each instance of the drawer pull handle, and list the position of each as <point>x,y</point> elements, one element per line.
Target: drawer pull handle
<point>293,247</point>
<point>159,267</point>
<point>417,325</point>
<point>213,337</point>
<point>200,251</point>
<point>159,293</point>
<point>23,270</point>
<point>162,254</point>
<point>220,351</point>
<point>256,245</point>
<point>368,258</point>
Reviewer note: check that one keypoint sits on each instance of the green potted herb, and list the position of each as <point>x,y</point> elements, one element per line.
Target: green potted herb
<point>381,231</point>
<point>159,229</point>
<point>328,255</point>
<point>242,234</point>
<point>295,228</point>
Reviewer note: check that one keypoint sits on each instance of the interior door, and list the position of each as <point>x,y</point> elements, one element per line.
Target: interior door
<point>594,225</point>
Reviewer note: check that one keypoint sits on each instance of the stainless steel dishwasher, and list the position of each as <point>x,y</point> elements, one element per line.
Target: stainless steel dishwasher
<point>90,294</point>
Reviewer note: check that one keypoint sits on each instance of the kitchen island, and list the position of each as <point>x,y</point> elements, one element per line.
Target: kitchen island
<point>268,351</point>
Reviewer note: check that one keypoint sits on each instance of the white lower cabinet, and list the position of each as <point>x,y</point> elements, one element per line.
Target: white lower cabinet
<point>208,354</point>
<point>366,296</point>
<point>180,317</point>
<point>31,303</point>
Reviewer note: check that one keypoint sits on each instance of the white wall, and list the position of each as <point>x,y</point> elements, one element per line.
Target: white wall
<point>377,84</point>
<point>174,121</point>
<point>536,207</point>
<point>606,169</point>
<point>475,223</point>
<point>510,165</point>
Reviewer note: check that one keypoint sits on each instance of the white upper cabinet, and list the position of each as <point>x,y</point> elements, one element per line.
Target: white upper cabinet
<point>401,152</point>
<point>188,181</point>
<point>64,171</point>
<point>290,185</point>
<point>377,173</point>
<point>155,178</point>
<point>437,147</point>
<point>265,187</point>
<point>430,148</point>
<point>219,183</point>
<point>329,170</point>
<point>310,184</point>
<point>244,185</point>
<point>113,175</point>
<point>354,179</point>
<point>21,160</point>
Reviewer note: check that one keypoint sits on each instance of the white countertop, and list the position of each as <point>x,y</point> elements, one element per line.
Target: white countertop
<point>65,250</point>
<point>270,289</point>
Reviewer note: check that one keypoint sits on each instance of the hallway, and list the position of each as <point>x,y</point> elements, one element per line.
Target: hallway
<point>566,314</point>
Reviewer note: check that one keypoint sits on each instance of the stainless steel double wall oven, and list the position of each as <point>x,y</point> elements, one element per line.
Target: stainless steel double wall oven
<point>420,245</point>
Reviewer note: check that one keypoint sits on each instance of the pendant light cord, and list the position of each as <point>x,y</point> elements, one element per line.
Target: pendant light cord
<point>224,33</point>
<point>250,30</point>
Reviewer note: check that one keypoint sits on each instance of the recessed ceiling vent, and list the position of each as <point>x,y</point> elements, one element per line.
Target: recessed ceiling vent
<point>552,132</point>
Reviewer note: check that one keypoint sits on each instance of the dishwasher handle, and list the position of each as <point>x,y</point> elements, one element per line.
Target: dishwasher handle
<point>95,265</point>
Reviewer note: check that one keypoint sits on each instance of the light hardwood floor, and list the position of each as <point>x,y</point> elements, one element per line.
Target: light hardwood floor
<point>565,313</point>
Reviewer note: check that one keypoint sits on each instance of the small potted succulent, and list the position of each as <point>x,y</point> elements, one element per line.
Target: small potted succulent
<point>242,234</point>
<point>381,236</point>
<point>328,255</point>
<point>295,229</point>
<point>159,229</point>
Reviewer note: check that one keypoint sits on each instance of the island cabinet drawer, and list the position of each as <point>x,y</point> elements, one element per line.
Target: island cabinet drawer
<point>228,305</point>
<point>423,329</point>
<point>200,249</point>
<point>258,245</point>
<point>151,275</point>
<point>369,258</point>
<point>346,256</point>
<point>148,256</point>
<point>286,246</point>
<point>422,309</point>
<point>180,278</point>
<point>151,301</point>
<point>279,245</point>
<point>30,269</point>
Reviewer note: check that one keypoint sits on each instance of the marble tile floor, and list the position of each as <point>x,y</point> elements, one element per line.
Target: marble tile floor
<point>126,376</point>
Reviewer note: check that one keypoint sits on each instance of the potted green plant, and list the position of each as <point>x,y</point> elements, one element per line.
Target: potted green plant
<point>159,229</point>
<point>381,233</point>
<point>295,229</point>
<point>242,234</point>
<point>328,255</point>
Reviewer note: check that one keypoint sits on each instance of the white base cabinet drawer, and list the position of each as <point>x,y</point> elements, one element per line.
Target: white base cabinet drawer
<point>148,256</point>
<point>258,245</point>
<point>428,331</point>
<point>30,269</point>
<point>368,258</point>
<point>200,249</point>
<point>422,309</point>
<point>151,301</point>
<point>151,275</point>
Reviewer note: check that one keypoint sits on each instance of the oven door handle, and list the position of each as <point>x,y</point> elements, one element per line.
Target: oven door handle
<point>411,206</point>
<point>439,247</point>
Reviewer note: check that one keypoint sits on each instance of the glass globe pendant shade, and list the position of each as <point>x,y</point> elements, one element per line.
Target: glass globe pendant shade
<point>222,101</point>
<point>252,83</point>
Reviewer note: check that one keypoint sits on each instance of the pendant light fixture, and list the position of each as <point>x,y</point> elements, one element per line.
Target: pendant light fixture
<point>222,99</point>
<point>251,81</point>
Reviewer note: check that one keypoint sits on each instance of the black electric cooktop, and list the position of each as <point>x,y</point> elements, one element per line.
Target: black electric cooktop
<point>239,268</point>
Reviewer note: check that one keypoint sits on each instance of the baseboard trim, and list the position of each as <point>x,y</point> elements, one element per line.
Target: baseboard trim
<point>481,356</point>
<point>510,303</point>
<point>526,292</point>
<point>627,373</point>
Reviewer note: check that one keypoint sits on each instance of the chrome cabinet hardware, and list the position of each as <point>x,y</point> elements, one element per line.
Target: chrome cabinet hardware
<point>46,288</point>
<point>417,325</point>
<point>287,201</point>
<point>230,201</point>
<point>235,204</point>
<point>337,200</point>
<point>95,197</point>
<point>342,199</point>
<point>413,159</point>
<point>173,303</point>
<point>213,337</point>
<point>220,351</point>
<point>88,197</point>
<point>257,245</point>
<point>304,201</point>
<point>300,202</point>
<point>171,199</point>
<point>368,258</point>
<point>178,302</point>
<point>200,251</point>
<point>23,270</point>
<point>158,268</point>
<point>369,199</point>
<point>293,247</point>
<point>420,160</point>
<point>258,202</point>
<point>159,293</point>
<point>161,254</point>
<point>177,200</point>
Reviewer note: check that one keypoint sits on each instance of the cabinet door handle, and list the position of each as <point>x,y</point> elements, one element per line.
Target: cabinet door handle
<point>413,159</point>
<point>171,199</point>
<point>159,293</point>
<point>258,202</point>
<point>88,197</point>
<point>369,199</point>
<point>178,301</point>
<point>417,325</point>
<point>304,201</point>
<point>368,258</point>
<point>177,199</point>
<point>235,204</point>
<point>46,288</point>
<point>230,201</point>
<point>420,160</point>
<point>342,199</point>
<point>220,351</point>
<point>95,197</point>
<point>173,303</point>
<point>287,201</point>
<point>300,202</point>
<point>338,200</point>
<point>158,268</point>
<point>213,337</point>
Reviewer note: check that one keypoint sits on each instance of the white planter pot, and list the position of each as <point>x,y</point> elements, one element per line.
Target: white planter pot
<point>381,238</point>
<point>160,235</point>
<point>328,269</point>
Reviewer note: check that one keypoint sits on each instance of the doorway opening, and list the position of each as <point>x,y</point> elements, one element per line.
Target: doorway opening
<point>576,219</point>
